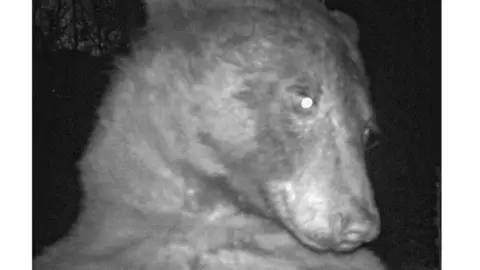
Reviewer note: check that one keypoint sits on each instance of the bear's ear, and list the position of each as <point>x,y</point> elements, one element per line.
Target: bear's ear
<point>347,23</point>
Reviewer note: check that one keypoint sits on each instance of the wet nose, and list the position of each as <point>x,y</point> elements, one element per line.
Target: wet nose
<point>353,228</point>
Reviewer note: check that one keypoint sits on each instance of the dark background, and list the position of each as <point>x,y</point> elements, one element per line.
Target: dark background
<point>400,41</point>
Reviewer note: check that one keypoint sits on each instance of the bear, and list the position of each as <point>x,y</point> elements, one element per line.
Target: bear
<point>232,137</point>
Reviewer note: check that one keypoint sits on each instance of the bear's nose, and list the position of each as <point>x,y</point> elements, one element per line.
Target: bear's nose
<point>354,227</point>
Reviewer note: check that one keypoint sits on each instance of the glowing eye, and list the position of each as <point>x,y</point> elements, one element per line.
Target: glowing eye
<point>306,103</point>
<point>302,98</point>
<point>370,138</point>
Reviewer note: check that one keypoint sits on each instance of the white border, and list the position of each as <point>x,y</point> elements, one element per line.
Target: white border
<point>16,135</point>
<point>460,134</point>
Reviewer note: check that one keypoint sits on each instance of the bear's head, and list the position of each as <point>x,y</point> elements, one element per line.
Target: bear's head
<point>268,105</point>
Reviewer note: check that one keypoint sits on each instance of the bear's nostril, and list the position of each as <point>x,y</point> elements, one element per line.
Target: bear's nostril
<point>355,229</point>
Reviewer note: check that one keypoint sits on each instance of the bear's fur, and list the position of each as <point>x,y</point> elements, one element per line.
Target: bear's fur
<point>229,140</point>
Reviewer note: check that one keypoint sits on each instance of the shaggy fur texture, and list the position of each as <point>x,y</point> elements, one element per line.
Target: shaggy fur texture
<point>231,139</point>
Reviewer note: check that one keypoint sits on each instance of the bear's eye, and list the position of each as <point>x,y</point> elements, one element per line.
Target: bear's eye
<point>370,138</point>
<point>306,102</point>
<point>303,99</point>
